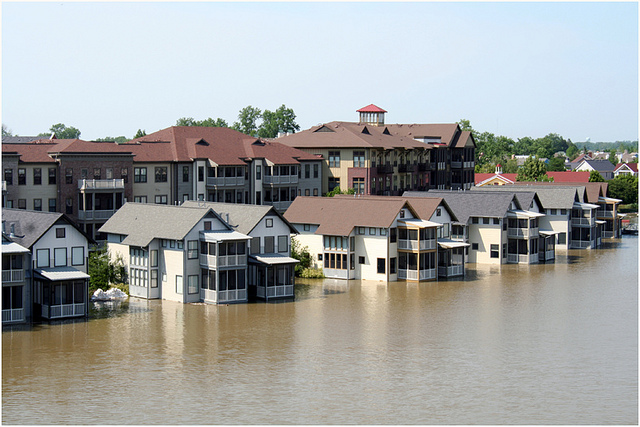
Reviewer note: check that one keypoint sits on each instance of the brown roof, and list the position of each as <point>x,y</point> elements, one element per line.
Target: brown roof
<point>445,131</point>
<point>337,216</point>
<point>593,190</point>
<point>425,207</point>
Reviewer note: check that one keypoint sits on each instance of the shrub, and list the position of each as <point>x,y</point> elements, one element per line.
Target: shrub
<point>312,273</point>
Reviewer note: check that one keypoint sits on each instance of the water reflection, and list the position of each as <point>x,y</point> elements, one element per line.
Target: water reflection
<point>533,344</point>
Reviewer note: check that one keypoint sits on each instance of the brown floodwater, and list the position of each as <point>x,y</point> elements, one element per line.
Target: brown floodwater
<point>539,344</point>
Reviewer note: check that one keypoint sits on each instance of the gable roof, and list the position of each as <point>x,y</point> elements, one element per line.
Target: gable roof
<point>631,166</point>
<point>483,178</point>
<point>466,204</point>
<point>425,207</point>
<point>30,226</point>
<point>339,215</point>
<point>550,196</point>
<point>599,165</point>
<point>242,218</point>
<point>143,222</point>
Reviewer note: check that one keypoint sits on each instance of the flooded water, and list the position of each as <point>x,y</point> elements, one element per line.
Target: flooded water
<point>540,344</point>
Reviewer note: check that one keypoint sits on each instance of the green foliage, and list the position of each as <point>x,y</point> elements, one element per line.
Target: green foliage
<point>337,190</point>
<point>556,164</point>
<point>624,187</point>
<point>104,271</point>
<point>140,133</point>
<point>612,157</point>
<point>465,125</point>
<point>312,273</point>
<point>595,176</point>
<point>209,122</point>
<point>511,166</point>
<point>6,131</point>
<point>62,132</point>
<point>281,120</point>
<point>117,139</point>
<point>303,268</point>
<point>247,120</point>
<point>572,152</point>
<point>533,170</point>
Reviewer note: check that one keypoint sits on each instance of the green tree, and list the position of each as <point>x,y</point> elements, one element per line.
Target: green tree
<point>556,164</point>
<point>274,122</point>
<point>572,152</point>
<point>532,170</point>
<point>595,176</point>
<point>62,132</point>
<point>117,139</point>
<point>511,166</point>
<point>525,146</point>
<point>6,131</point>
<point>613,156</point>
<point>624,187</point>
<point>337,190</point>
<point>465,125</point>
<point>104,271</point>
<point>208,122</point>
<point>140,134</point>
<point>247,120</point>
<point>301,254</point>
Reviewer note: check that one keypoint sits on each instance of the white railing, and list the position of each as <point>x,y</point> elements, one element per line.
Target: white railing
<point>86,215</point>
<point>9,276</point>
<point>601,213</point>
<point>233,181</point>
<point>582,221</point>
<point>232,260</point>
<point>280,179</point>
<point>208,260</point>
<point>549,255</point>
<point>428,274</point>
<point>468,164</point>
<point>13,315</point>
<point>336,273</point>
<point>522,259</point>
<point>66,310</point>
<point>414,245</point>
<point>607,234</point>
<point>451,270</point>
<point>415,275</point>
<point>232,295</point>
<point>208,295</point>
<point>274,291</point>
<point>580,244</point>
<point>101,184</point>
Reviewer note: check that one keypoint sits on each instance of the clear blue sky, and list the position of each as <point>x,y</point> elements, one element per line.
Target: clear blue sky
<point>514,69</point>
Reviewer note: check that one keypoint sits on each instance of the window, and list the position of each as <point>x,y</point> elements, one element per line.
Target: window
<point>140,199</point>
<point>255,245</point>
<point>192,284</point>
<point>485,220</point>
<point>154,258</point>
<point>22,176</point>
<point>315,192</point>
<point>283,244</point>
<point>439,212</point>
<point>307,227</point>
<point>495,251</point>
<point>42,258</point>
<point>563,211</point>
<point>37,204</point>
<point>22,203</point>
<point>8,176</point>
<point>474,220</point>
<point>333,183</point>
<point>207,225</point>
<point>307,192</point>
<point>392,265</point>
<point>496,221</point>
<point>315,170</point>
<point>68,176</point>
<point>139,174</point>
<point>60,257</point>
<point>334,159</point>
<point>37,176</point>
<point>69,206</point>
<point>52,176</point>
<point>372,231</point>
<point>185,174</point>
<point>52,205</point>
<point>402,213</point>
<point>269,222</point>
<point>258,172</point>
<point>60,233</point>
<point>77,255</point>
<point>393,235</point>
<point>179,284</point>
<point>381,266</point>
<point>200,173</point>
<point>172,244</point>
<point>97,174</point>
<point>360,260</point>
<point>358,185</point>
<point>154,278</point>
<point>361,230</point>
<point>84,173</point>
<point>161,200</point>
<point>307,171</point>
<point>269,244</point>
<point>358,159</point>
<point>109,173</point>
<point>319,257</point>
<point>161,174</point>
<point>192,249</point>
<point>124,175</point>
<point>562,238</point>
<point>474,246</point>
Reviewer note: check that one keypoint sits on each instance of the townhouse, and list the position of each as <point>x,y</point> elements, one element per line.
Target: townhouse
<point>44,267</point>
<point>375,158</point>
<point>89,181</point>
<point>495,224</point>
<point>271,269</point>
<point>373,238</point>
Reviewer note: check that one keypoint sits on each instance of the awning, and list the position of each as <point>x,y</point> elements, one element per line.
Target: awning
<point>61,273</point>
<point>609,200</point>
<point>581,205</point>
<point>14,248</point>
<point>600,222</point>
<point>523,214</point>
<point>548,232</point>
<point>273,259</point>
<point>451,244</point>
<point>221,235</point>
<point>420,223</point>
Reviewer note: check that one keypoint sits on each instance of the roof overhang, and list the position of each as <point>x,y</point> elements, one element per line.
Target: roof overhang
<point>273,259</point>
<point>452,244</point>
<point>548,232</point>
<point>609,200</point>
<point>419,223</point>
<point>222,235</point>
<point>14,248</point>
<point>523,214</point>
<point>60,274</point>
<point>582,205</point>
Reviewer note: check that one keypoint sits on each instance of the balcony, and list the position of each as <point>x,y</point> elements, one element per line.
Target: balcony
<point>451,270</point>
<point>581,244</point>
<point>60,311</point>
<point>469,165</point>
<point>207,261</point>
<point>583,222</point>
<point>422,167</point>
<point>13,315</point>
<point>403,167</point>
<point>601,213</point>
<point>274,291</point>
<point>383,169</point>
<point>415,245</point>
<point>232,260</point>
<point>96,215</point>
<point>214,296</point>
<point>9,276</point>
<point>280,179</point>
<point>279,206</point>
<point>100,184</point>
<point>232,181</point>
<point>456,165</point>
<point>428,274</point>
<point>522,258</point>
<point>522,233</point>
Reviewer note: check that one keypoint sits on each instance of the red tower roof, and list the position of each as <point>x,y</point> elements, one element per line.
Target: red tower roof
<point>371,109</point>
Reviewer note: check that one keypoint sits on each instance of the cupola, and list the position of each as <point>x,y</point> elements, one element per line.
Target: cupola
<point>371,115</point>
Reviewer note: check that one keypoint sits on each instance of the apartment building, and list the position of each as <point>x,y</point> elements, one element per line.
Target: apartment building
<point>89,180</point>
<point>375,158</point>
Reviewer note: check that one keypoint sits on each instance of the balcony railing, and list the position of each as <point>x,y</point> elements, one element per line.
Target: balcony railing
<point>336,273</point>
<point>417,275</point>
<point>523,232</point>
<point>456,165</point>
<point>589,222</point>
<point>385,169</point>
<point>223,296</point>
<point>608,234</point>
<point>601,213</point>
<point>66,310</point>
<point>232,260</point>
<point>414,245</point>
<point>451,270</point>
<point>13,315</point>
<point>274,291</point>
<point>469,165</point>
<point>101,184</point>
<point>424,166</point>
<point>549,255</point>
<point>90,215</point>
<point>522,258</point>
<point>9,276</point>
<point>233,181</point>
<point>581,244</point>
<point>208,261</point>
<point>280,179</point>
